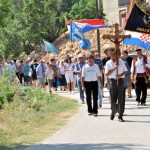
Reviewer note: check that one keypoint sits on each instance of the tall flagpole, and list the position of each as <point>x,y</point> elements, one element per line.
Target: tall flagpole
<point>98,33</point>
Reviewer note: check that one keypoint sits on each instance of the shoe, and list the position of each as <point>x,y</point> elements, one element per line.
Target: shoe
<point>112,116</point>
<point>50,92</point>
<point>138,104</point>
<point>72,92</point>
<point>89,114</point>
<point>100,105</point>
<point>130,96</point>
<point>82,102</point>
<point>95,115</point>
<point>120,119</point>
<point>143,104</point>
<point>69,92</point>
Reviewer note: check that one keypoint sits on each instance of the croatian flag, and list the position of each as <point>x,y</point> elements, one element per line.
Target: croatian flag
<point>87,25</point>
<point>76,34</point>
<point>138,26</point>
<point>139,39</point>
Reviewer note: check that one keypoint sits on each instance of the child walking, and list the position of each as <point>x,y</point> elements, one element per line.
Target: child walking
<point>50,77</point>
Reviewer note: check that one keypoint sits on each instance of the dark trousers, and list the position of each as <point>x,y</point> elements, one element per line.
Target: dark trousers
<point>20,77</point>
<point>124,98</point>
<point>117,96</point>
<point>141,88</point>
<point>92,90</point>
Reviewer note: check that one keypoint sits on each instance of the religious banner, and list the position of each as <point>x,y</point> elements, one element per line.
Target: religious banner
<point>138,26</point>
<point>138,21</point>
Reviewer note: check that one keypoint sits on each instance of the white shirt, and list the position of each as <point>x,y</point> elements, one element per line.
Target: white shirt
<point>90,73</point>
<point>61,68</point>
<point>49,74</point>
<point>139,68</point>
<point>69,67</point>
<point>110,65</point>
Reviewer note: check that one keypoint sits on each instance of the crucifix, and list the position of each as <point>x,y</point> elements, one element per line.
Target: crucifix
<point>116,39</point>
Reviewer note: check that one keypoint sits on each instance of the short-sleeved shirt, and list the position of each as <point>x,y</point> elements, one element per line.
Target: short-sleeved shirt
<point>26,70</point>
<point>69,67</point>
<point>33,68</point>
<point>49,74</point>
<point>110,65</point>
<point>39,70</point>
<point>90,73</point>
<point>78,67</point>
<point>99,62</point>
<point>61,68</point>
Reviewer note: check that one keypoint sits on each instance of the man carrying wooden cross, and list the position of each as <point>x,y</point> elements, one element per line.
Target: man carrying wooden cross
<point>116,84</point>
<point>115,70</point>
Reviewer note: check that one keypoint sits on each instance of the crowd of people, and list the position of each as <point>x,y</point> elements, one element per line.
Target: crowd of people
<point>90,74</point>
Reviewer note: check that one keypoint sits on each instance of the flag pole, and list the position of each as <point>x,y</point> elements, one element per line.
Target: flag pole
<point>98,33</point>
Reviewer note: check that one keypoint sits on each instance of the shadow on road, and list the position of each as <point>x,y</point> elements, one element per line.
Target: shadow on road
<point>103,146</point>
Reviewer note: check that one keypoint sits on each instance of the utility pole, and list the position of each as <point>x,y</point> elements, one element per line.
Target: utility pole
<point>98,33</point>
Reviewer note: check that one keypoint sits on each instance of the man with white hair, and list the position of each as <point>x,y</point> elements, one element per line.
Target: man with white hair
<point>78,70</point>
<point>40,70</point>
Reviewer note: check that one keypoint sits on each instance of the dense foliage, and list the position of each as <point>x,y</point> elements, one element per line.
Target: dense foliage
<point>25,23</point>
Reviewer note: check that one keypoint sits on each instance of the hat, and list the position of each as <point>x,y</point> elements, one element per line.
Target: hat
<point>111,49</point>
<point>80,56</point>
<point>138,50</point>
<point>97,53</point>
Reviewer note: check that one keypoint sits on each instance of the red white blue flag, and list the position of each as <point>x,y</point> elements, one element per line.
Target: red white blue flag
<point>87,25</point>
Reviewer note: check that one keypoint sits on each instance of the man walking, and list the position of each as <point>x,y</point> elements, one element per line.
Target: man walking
<point>90,73</point>
<point>78,70</point>
<point>116,85</point>
<point>139,77</point>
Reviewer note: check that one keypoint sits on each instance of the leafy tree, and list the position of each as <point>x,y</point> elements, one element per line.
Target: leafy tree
<point>84,9</point>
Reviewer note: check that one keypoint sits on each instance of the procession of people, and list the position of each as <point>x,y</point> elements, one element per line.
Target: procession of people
<point>90,74</point>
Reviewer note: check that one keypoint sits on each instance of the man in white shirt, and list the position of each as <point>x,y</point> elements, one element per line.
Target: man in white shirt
<point>139,76</point>
<point>116,85</point>
<point>90,74</point>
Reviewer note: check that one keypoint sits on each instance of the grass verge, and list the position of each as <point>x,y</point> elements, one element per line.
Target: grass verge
<point>32,116</point>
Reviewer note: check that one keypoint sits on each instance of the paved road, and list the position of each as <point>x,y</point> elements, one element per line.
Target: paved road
<point>85,132</point>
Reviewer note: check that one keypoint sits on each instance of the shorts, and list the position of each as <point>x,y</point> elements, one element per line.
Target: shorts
<point>50,82</point>
<point>69,77</point>
<point>27,79</point>
<point>34,77</point>
<point>41,80</point>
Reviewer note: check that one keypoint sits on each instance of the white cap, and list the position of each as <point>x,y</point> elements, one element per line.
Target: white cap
<point>80,55</point>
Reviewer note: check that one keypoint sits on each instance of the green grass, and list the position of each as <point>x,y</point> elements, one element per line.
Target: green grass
<point>30,115</point>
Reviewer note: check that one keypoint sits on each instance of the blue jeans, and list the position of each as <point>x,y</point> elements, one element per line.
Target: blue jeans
<point>99,94</point>
<point>80,90</point>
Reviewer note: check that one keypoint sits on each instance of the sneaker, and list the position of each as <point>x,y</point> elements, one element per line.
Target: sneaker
<point>143,104</point>
<point>72,92</point>
<point>95,115</point>
<point>82,102</point>
<point>100,105</point>
<point>130,96</point>
<point>69,92</point>
<point>138,104</point>
<point>50,92</point>
<point>89,114</point>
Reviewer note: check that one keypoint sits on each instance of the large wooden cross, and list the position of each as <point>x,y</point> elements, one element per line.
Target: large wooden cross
<point>116,39</point>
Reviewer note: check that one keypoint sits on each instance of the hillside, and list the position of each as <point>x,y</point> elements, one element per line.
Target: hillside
<point>71,48</point>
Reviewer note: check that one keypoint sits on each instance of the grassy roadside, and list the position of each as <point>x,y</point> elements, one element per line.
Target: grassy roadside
<point>32,116</point>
